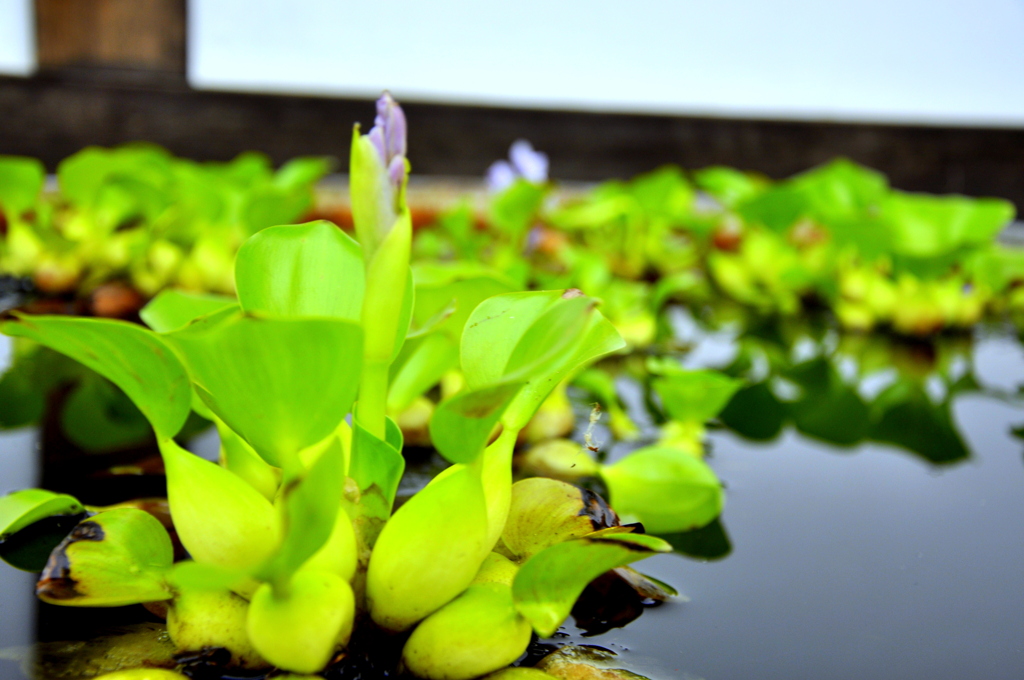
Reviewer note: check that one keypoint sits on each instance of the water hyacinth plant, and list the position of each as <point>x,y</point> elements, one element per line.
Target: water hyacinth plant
<point>293,538</point>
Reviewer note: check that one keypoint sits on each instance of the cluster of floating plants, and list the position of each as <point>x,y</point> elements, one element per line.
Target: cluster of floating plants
<point>293,541</point>
<point>321,359</point>
<point>837,236</point>
<point>138,216</point>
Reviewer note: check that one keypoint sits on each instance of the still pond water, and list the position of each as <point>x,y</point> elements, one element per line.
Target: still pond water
<point>893,553</point>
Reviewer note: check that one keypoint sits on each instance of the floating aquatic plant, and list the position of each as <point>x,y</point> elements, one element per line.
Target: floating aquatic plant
<point>294,532</point>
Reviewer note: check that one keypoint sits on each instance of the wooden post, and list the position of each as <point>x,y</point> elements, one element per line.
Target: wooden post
<point>136,35</point>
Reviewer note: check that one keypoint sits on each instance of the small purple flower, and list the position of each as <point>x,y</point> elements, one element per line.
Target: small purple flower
<point>524,163</point>
<point>388,135</point>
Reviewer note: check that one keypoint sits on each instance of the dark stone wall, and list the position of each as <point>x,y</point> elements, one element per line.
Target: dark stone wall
<point>55,114</point>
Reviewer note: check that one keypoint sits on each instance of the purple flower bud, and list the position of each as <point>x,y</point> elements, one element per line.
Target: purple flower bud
<point>526,163</point>
<point>500,176</point>
<point>388,136</point>
<point>529,164</point>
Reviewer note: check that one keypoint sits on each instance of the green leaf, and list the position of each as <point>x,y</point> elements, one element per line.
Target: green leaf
<point>541,337</point>
<point>419,366</point>
<point>283,384</point>
<point>309,507</point>
<point>188,575</point>
<point>240,458</point>
<point>461,425</point>
<point>464,284</point>
<point>174,309</point>
<point>377,463</point>
<point>265,206</point>
<point>695,396</point>
<point>301,270</point>
<point>729,186</point>
<point>20,509</point>
<point>133,358</point>
<point>667,489</point>
<point>663,193</point>
<point>21,180</point>
<point>515,209</point>
<point>303,173</point>
<point>929,226</point>
<point>547,585</point>
<point>544,512</point>
<point>115,558</point>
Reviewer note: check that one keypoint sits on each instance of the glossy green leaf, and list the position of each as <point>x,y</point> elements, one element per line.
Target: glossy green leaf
<point>377,464</point>
<point>312,269</point>
<point>266,205</point>
<point>21,181</point>
<point>283,384</point>
<point>461,285</point>
<point>514,210</point>
<point>173,309</point>
<point>547,585</point>
<point>19,509</point>
<point>241,459</point>
<point>115,558</point>
<point>419,366</point>
<point>928,226</point>
<point>544,512</point>
<point>133,358</point>
<point>303,172</point>
<point>309,508</point>
<point>540,337</point>
<point>462,425</point>
<point>189,575</point>
<point>729,186</point>
<point>663,193</point>
<point>666,489</point>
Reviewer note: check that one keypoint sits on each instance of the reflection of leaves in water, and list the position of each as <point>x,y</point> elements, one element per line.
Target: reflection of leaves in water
<point>710,542</point>
<point>755,413</point>
<point>29,549</point>
<point>829,408</point>
<point>98,416</point>
<point>906,417</point>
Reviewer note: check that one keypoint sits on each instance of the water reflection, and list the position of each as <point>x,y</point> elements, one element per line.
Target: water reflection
<point>843,389</point>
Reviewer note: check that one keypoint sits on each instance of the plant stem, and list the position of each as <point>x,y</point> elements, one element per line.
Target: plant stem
<point>371,410</point>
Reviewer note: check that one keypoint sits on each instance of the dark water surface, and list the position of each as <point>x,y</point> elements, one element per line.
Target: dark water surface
<point>846,562</point>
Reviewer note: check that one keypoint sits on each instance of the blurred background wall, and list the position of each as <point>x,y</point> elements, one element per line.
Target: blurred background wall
<point>932,93</point>
<point>917,61</point>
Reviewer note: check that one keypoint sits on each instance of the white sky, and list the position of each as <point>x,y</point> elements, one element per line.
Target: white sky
<point>923,61</point>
